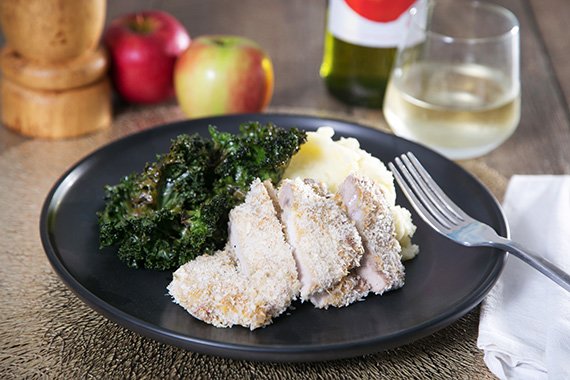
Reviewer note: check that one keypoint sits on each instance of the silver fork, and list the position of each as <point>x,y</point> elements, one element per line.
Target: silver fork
<point>441,213</point>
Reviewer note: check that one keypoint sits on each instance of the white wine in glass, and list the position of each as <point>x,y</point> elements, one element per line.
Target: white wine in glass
<point>459,94</point>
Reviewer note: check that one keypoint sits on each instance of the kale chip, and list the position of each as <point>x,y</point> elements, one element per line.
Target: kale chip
<point>177,208</point>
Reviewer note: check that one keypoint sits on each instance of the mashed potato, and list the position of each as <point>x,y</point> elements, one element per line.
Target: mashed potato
<point>330,161</point>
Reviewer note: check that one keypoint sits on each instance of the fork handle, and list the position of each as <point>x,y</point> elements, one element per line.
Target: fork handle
<point>544,266</point>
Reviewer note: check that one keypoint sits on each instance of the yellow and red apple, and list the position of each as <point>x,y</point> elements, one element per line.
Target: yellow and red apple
<point>222,75</point>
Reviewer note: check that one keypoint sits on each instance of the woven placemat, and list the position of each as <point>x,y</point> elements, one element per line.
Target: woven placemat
<point>47,332</point>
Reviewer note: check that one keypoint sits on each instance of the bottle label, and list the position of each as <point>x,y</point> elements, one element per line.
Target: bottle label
<point>372,23</point>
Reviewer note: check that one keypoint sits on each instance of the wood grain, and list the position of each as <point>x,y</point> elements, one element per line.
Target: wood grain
<point>551,19</point>
<point>291,31</point>
<point>57,336</point>
<point>54,114</point>
<point>51,31</point>
<point>90,67</point>
<point>541,143</point>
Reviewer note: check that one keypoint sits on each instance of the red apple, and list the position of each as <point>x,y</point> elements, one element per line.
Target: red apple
<point>144,47</point>
<point>223,74</point>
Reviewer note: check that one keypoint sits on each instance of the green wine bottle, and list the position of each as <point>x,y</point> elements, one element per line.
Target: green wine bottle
<point>360,46</point>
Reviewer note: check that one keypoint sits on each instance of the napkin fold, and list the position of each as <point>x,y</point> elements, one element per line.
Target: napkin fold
<point>524,328</point>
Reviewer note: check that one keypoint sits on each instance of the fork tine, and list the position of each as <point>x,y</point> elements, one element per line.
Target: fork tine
<point>428,194</point>
<point>414,200</point>
<point>422,193</point>
<point>436,190</point>
<point>471,233</point>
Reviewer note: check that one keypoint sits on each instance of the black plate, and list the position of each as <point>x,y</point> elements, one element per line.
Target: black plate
<point>442,284</point>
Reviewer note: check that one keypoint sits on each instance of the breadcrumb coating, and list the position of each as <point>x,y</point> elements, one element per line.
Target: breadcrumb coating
<point>367,206</point>
<point>251,281</point>
<point>298,242</point>
<point>380,268</point>
<point>325,242</point>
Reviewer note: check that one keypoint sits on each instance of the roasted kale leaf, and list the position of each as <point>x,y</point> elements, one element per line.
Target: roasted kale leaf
<point>177,207</point>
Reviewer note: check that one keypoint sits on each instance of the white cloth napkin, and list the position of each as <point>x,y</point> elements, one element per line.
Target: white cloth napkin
<point>524,328</point>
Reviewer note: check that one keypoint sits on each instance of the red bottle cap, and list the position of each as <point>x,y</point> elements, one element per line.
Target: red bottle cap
<point>380,10</point>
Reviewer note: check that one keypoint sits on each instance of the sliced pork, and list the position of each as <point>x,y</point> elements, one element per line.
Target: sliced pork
<point>349,289</point>
<point>326,244</point>
<point>212,290</point>
<point>381,266</point>
<point>263,256</point>
<point>300,241</point>
<point>253,280</point>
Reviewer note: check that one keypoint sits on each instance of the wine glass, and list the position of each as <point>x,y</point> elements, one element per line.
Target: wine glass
<point>455,84</point>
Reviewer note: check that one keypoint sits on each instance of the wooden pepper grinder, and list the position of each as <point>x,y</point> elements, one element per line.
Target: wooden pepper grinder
<point>54,73</point>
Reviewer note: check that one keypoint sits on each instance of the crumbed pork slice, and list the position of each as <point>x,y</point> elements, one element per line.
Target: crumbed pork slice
<point>264,257</point>
<point>211,289</point>
<point>349,289</point>
<point>253,280</point>
<point>381,266</point>
<point>325,242</point>
<point>318,187</point>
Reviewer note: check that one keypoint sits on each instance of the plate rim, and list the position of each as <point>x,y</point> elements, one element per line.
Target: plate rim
<point>286,353</point>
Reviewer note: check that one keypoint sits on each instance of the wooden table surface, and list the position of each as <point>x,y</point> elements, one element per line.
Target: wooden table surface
<point>292,33</point>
